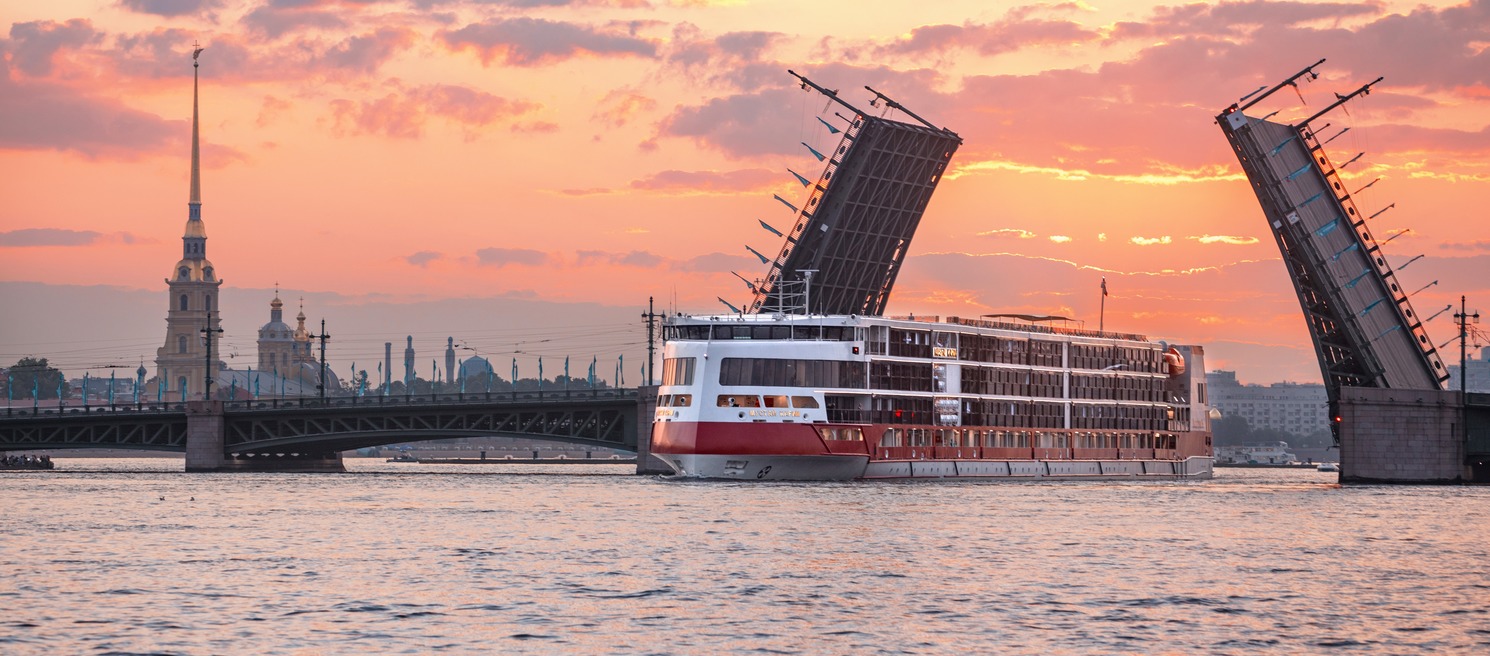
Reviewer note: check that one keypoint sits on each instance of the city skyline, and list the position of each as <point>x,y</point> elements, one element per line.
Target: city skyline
<point>588,155</point>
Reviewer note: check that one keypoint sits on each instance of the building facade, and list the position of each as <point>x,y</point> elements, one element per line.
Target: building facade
<point>1297,408</point>
<point>1479,373</point>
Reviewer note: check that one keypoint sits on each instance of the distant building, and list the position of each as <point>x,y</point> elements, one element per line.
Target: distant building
<point>1479,370</point>
<point>1297,408</point>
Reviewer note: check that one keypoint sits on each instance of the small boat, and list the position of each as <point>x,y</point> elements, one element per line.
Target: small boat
<point>1329,466</point>
<point>403,457</point>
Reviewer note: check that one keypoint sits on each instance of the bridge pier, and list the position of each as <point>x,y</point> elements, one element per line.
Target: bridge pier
<point>206,448</point>
<point>205,433</point>
<point>1402,436</point>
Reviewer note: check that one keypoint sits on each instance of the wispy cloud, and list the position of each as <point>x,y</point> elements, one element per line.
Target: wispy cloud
<point>500,257</point>
<point>38,237</point>
<point>423,258</point>
<point>1222,239</point>
<point>1150,241</point>
<point>1015,233</point>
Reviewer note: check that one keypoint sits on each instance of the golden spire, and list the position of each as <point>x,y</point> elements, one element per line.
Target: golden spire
<point>196,157</point>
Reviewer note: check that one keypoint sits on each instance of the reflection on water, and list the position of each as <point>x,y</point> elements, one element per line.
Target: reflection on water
<point>134,556</point>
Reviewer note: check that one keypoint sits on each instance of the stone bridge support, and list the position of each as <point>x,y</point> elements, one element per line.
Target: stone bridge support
<point>206,448</point>
<point>1401,436</point>
<point>205,434</point>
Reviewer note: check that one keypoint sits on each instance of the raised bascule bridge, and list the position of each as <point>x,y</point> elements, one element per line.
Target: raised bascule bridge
<point>1383,375</point>
<point>851,233</point>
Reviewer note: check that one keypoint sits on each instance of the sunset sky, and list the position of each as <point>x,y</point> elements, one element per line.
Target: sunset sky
<point>572,158</point>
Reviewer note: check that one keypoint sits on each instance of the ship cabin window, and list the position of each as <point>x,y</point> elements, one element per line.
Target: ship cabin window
<point>776,401</point>
<point>910,343</point>
<point>674,400</point>
<point>678,371</point>
<point>779,372</point>
<point>841,434</point>
<point>946,437</point>
<point>739,401</point>
<point>890,438</point>
<point>804,402</point>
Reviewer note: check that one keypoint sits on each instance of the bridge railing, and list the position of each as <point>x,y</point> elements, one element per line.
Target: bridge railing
<point>66,409</point>
<point>442,398</point>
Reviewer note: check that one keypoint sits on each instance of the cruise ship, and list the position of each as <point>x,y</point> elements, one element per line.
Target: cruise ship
<point>777,396</point>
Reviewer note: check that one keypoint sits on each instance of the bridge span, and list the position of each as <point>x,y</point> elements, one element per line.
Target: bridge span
<point>309,434</point>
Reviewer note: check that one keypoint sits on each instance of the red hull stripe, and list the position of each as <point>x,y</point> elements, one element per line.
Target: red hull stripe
<point>733,438</point>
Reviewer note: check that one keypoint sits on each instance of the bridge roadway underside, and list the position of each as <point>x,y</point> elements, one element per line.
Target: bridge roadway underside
<point>311,437</point>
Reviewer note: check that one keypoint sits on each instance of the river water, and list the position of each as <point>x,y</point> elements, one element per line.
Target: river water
<point>133,556</point>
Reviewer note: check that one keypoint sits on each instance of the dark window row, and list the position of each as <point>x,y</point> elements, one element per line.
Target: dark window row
<point>1015,414</point>
<point>1119,417</point>
<point>1011,382</point>
<point>792,373</point>
<point>903,376</point>
<point>1116,388</point>
<point>1092,356</point>
<point>743,331</point>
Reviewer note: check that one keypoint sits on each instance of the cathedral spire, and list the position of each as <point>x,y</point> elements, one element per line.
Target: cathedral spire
<point>194,238</point>
<point>196,157</point>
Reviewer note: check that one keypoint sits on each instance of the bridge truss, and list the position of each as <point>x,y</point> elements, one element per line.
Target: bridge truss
<point>1365,331</point>
<point>312,426</point>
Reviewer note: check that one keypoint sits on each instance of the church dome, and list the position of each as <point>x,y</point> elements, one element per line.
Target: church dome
<point>301,334</point>
<point>194,270</point>
<point>276,329</point>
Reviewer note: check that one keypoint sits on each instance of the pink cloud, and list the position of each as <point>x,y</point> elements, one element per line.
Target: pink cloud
<point>500,257</point>
<point>403,114</point>
<point>170,8</point>
<point>527,41</point>
<point>33,45</point>
<point>708,181</point>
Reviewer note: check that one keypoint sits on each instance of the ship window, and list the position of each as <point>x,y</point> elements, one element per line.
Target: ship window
<point>844,434</point>
<point>791,373</point>
<point>890,438</point>
<point>681,400</point>
<point>804,402</point>
<point>776,401</point>
<point>677,371</point>
<point>739,401</point>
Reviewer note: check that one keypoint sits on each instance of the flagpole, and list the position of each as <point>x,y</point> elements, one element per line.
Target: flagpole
<point>1102,316</point>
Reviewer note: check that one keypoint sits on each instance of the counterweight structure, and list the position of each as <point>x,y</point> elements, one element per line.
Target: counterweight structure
<point>851,235</point>
<point>1365,331</point>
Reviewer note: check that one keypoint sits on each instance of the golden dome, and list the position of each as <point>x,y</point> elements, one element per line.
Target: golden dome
<point>195,229</point>
<point>193,270</point>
